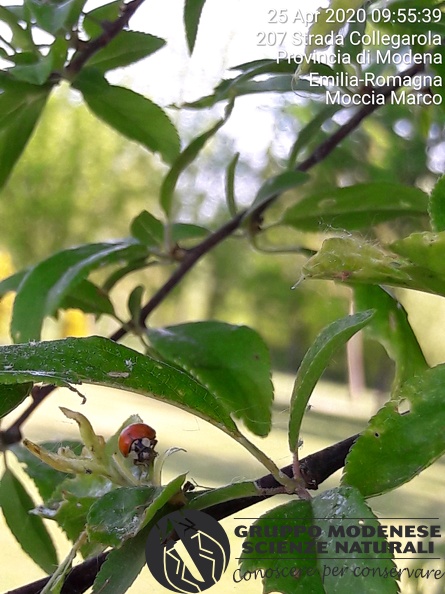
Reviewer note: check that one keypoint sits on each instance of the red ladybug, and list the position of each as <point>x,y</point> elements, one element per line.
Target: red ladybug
<point>138,441</point>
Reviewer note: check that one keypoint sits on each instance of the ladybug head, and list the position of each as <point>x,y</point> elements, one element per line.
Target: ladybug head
<point>137,441</point>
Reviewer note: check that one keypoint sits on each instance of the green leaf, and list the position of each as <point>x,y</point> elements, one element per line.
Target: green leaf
<point>48,283</point>
<point>81,485</point>
<point>124,564</point>
<point>345,509</point>
<point>232,88</point>
<point>27,528</point>
<point>89,298</point>
<point>310,131</point>
<point>308,542</point>
<point>75,13</point>
<point>11,283</point>
<point>396,447</point>
<point>12,99</point>
<point>264,66</point>
<point>58,53</point>
<point>424,250</point>
<point>45,478</point>
<point>7,83</point>
<point>133,504</point>
<point>204,499</point>
<point>23,58</point>
<point>231,361</point>
<point>111,529</point>
<point>36,73</point>
<point>355,207</point>
<point>315,362</point>
<point>71,515</point>
<point>355,261</point>
<point>126,48</point>
<point>100,361</point>
<point>150,231</point>
<point>181,232</point>
<point>275,186</point>
<point>135,303</point>
<point>162,498</point>
<point>92,23</point>
<point>436,207</point>
<point>187,156</point>
<point>120,273</point>
<point>71,499</point>
<point>230,185</point>
<point>131,114</point>
<point>52,17</point>
<point>85,296</point>
<point>147,229</point>
<point>391,328</point>
<point>17,124</point>
<point>12,396</point>
<point>243,83</point>
<point>192,15</point>
<point>296,513</point>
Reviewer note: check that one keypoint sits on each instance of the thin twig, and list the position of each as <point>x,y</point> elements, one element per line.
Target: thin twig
<point>112,29</point>
<point>190,259</point>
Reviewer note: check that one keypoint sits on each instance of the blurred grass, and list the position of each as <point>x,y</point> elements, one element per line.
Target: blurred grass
<point>213,459</point>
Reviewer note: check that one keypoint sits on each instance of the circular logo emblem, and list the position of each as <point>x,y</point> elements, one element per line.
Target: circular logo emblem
<point>187,551</point>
